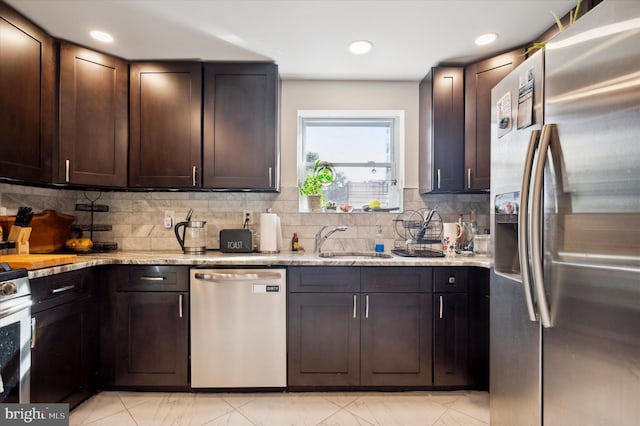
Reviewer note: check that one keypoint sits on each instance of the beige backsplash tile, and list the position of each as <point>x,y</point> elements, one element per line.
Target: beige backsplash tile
<point>137,217</point>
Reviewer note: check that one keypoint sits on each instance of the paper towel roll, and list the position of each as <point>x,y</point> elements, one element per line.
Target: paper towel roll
<point>269,230</point>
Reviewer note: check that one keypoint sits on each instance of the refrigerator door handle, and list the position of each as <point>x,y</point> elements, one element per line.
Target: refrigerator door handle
<point>523,224</point>
<point>536,225</point>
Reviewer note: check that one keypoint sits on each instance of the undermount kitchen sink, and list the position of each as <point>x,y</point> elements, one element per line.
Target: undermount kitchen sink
<point>371,254</point>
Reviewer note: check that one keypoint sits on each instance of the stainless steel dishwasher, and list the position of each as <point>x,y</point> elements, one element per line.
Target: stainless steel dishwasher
<point>238,328</point>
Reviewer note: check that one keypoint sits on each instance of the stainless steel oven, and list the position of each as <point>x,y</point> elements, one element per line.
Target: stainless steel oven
<point>15,335</point>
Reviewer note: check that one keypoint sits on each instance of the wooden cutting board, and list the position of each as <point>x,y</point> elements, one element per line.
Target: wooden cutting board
<point>37,261</point>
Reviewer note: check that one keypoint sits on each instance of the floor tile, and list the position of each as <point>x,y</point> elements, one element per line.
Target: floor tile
<point>290,410</point>
<point>344,418</point>
<point>180,409</point>
<point>233,418</point>
<point>397,410</point>
<point>123,418</point>
<point>131,399</point>
<point>474,404</point>
<point>456,418</point>
<point>99,406</point>
<point>280,409</point>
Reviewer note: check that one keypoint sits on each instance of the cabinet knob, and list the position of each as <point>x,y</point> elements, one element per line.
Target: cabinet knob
<point>452,280</point>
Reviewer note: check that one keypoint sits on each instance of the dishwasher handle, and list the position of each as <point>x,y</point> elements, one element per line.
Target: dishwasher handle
<point>237,276</point>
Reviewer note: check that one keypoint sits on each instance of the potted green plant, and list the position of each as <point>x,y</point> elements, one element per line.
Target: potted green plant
<point>321,174</point>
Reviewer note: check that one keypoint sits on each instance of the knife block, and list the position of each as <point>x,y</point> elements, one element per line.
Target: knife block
<point>21,236</point>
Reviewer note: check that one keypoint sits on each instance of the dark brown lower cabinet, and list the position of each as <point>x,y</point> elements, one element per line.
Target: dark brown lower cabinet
<point>404,327</point>
<point>64,350</point>
<point>358,338</point>
<point>451,340</point>
<point>152,335</point>
<point>396,339</point>
<point>145,327</point>
<point>324,340</point>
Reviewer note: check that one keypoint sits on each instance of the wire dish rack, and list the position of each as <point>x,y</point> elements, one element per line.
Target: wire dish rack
<point>419,234</point>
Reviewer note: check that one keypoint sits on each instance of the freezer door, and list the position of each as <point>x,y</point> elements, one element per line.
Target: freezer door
<point>591,221</point>
<point>515,357</point>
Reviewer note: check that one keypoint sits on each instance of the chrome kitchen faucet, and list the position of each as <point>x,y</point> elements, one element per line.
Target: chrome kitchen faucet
<point>320,239</point>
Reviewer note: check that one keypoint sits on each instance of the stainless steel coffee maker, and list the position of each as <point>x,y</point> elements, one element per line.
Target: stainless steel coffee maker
<point>193,239</point>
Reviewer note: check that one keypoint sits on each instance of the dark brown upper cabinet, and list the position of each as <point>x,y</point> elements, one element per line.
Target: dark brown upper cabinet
<point>165,112</point>
<point>240,126</point>
<point>27,67</point>
<point>441,130</point>
<point>480,78</point>
<point>93,118</point>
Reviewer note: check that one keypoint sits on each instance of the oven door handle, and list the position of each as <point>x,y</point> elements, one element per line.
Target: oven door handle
<point>14,307</point>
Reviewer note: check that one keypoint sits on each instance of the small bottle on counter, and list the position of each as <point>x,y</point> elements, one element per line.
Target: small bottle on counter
<point>295,244</point>
<point>379,242</point>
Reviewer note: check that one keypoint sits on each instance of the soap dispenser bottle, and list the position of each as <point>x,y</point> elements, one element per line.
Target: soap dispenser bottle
<point>379,242</point>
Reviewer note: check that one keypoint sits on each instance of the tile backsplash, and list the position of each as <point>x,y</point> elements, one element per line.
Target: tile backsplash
<point>137,217</point>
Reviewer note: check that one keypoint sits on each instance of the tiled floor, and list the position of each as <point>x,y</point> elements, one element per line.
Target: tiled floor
<point>282,409</point>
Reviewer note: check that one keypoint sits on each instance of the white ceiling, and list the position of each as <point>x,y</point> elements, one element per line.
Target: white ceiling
<point>306,38</point>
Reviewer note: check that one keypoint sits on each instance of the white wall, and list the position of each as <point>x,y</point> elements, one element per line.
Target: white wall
<point>344,95</point>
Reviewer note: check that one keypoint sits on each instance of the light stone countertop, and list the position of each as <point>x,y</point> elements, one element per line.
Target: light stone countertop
<point>216,258</point>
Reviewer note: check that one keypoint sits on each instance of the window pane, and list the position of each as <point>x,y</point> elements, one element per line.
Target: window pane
<point>362,152</point>
<point>348,144</point>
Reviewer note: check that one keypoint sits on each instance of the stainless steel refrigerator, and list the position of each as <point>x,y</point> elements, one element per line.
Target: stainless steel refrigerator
<point>565,203</point>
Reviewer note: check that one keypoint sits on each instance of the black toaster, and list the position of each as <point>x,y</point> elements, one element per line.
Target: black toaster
<point>236,241</point>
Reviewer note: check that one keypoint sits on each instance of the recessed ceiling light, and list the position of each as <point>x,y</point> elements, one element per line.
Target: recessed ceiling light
<point>486,39</point>
<point>360,47</point>
<point>101,36</point>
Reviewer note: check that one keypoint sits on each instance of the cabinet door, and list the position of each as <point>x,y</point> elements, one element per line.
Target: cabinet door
<point>479,80</point>
<point>240,126</point>
<point>93,118</point>
<point>479,328</point>
<point>324,339</point>
<point>152,336</point>
<point>26,98</point>
<point>441,130</point>
<point>396,339</point>
<point>56,358</point>
<point>450,339</point>
<point>165,111</point>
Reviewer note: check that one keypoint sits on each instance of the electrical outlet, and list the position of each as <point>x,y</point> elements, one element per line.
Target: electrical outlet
<point>248,213</point>
<point>168,219</point>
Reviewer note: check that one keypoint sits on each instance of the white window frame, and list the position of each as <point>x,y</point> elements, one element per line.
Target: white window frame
<point>396,149</point>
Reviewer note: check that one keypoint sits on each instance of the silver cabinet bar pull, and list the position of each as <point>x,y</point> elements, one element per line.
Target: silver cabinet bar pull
<point>66,170</point>
<point>193,176</point>
<point>366,307</point>
<point>145,278</point>
<point>33,333</point>
<point>441,307</point>
<point>355,304</point>
<point>270,177</point>
<point>180,306</point>
<point>469,178</point>
<point>63,289</point>
<point>438,178</point>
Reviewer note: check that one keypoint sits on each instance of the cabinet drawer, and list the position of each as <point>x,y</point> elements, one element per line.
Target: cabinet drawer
<point>450,280</point>
<point>397,279</point>
<point>152,278</point>
<point>324,279</point>
<point>55,290</point>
